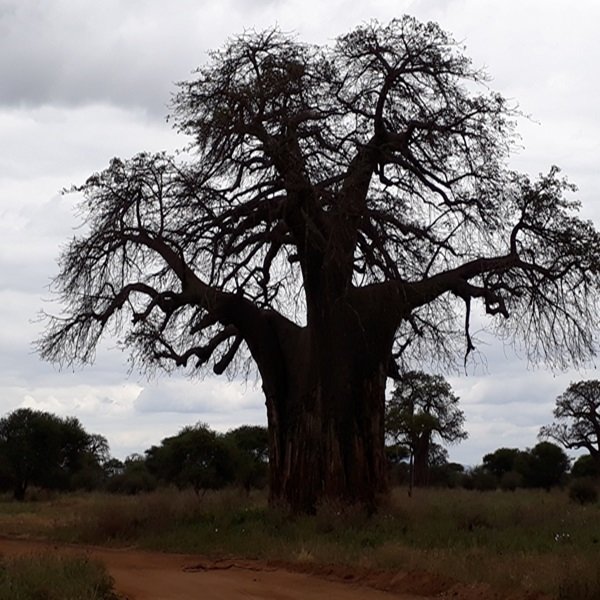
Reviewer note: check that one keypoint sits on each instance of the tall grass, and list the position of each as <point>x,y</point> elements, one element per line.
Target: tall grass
<point>524,539</point>
<point>45,577</point>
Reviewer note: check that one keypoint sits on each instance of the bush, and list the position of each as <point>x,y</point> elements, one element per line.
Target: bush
<point>480,479</point>
<point>510,481</point>
<point>585,466</point>
<point>583,492</point>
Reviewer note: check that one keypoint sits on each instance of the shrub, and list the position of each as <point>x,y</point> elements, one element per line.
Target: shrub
<point>51,577</point>
<point>480,479</point>
<point>510,481</point>
<point>583,491</point>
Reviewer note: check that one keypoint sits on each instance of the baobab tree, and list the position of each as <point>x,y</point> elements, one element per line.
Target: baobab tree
<point>333,203</point>
<point>577,414</point>
<point>423,407</point>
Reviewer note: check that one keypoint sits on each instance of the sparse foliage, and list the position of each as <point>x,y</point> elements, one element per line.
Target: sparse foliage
<point>337,203</point>
<point>577,415</point>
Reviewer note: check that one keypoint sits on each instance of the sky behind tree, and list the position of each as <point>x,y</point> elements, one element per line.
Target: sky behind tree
<point>85,81</point>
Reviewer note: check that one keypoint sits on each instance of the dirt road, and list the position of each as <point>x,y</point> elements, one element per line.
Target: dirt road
<point>141,575</point>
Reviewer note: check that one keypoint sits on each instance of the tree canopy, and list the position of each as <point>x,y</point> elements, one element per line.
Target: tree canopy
<point>577,415</point>
<point>502,461</point>
<point>337,210</point>
<point>196,457</point>
<point>39,448</point>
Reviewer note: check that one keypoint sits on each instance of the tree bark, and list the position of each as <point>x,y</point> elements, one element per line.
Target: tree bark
<point>333,447</point>
<point>325,408</point>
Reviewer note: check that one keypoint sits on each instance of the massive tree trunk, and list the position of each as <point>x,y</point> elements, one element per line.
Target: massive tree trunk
<point>327,442</point>
<point>325,405</point>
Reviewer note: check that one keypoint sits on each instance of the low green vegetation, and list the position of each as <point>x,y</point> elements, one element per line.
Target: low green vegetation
<point>48,577</point>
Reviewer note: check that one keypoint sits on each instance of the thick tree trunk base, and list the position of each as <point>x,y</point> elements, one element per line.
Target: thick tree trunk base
<point>333,450</point>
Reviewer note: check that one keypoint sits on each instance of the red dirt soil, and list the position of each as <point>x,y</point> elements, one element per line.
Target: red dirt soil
<point>142,575</point>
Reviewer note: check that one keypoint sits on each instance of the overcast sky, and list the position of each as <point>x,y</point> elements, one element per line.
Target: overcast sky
<point>81,82</point>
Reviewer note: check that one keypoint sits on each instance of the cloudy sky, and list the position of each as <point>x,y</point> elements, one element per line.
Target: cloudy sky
<point>82,81</point>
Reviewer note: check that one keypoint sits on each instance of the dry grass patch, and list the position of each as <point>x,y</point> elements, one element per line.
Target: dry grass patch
<point>524,539</point>
<point>51,577</point>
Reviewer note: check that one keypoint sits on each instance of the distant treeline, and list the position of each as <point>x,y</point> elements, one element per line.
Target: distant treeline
<point>544,466</point>
<point>46,451</point>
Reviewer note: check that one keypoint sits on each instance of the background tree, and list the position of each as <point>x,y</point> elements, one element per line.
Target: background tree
<point>502,461</point>
<point>421,408</point>
<point>508,466</point>
<point>196,457</point>
<point>577,415</point>
<point>545,465</point>
<point>585,466</point>
<point>336,203</point>
<point>131,476</point>
<point>251,445</point>
<point>38,448</point>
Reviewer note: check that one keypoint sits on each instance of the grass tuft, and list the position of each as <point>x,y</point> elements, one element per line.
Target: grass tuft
<point>46,577</point>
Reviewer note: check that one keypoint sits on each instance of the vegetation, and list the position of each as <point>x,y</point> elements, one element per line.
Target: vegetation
<point>196,457</point>
<point>38,448</point>
<point>545,465</point>
<point>423,408</point>
<point>131,477</point>
<point>583,491</point>
<point>535,539</point>
<point>577,415</point>
<point>585,466</point>
<point>502,461</point>
<point>251,448</point>
<point>341,209</point>
<point>530,538</point>
<point>52,577</point>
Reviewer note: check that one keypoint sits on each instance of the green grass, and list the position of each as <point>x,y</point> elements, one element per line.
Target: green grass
<point>524,539</point>
<point>45,577</point>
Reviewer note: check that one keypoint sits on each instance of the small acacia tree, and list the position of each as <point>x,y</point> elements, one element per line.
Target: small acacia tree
<point>422,408</point>
<point>577,415</point>
<point>335,202</point>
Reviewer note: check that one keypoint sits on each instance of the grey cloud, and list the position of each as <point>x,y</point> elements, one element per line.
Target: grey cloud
<point>123,53</point>
<point>72,53</point>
